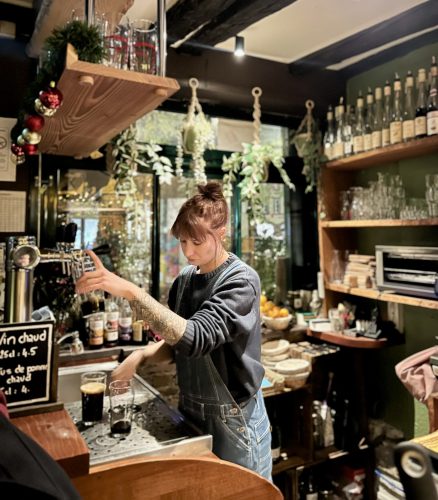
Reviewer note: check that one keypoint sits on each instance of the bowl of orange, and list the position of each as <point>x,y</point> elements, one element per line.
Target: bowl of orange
<point>273,316</point>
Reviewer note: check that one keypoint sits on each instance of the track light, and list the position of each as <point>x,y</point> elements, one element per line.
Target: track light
<point>239,46</point>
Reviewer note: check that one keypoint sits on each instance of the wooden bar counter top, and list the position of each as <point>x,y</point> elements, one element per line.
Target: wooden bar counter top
<point>57,434</point>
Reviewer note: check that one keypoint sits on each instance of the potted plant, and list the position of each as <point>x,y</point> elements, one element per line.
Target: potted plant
<point>249,168</point>
<point>196,136</point>
<point>307,140</point>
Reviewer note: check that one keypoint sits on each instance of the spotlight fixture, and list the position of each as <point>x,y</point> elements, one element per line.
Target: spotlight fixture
<point>239,46</point>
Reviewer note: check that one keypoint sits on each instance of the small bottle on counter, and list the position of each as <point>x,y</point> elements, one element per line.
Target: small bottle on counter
<point>96,329</point>
<point>125,323</point>
<point>140,332</point>
<point>111,323</point>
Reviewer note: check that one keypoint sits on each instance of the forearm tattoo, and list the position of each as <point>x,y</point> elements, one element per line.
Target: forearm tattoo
<point>162,320</point>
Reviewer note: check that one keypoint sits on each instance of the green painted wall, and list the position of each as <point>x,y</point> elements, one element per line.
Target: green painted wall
<point>395,404</point>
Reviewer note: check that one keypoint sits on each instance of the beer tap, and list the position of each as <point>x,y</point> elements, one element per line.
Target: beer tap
<point>23,256</point>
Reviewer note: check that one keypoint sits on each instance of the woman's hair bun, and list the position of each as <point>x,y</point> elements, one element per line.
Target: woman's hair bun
<point>212,191</point>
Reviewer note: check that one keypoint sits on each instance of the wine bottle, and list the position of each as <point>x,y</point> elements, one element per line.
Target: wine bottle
<point>432,101</point>
<point>421,110</point>
<point>329,136</point>
<point>338,147</point>
<point>311,489</point>
<point>275,438</point>
<point>359,127</point>
<point>395,127</point>
<point>386,118</point>
<point>348,131</point>
<point>369,119</point>
<point>408,127</point>
<point>376,138</point>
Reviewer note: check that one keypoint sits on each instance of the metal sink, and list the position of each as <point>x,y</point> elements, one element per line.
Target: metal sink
<point>157,428</point>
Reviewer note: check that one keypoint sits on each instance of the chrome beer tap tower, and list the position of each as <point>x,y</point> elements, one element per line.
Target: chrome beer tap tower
<point>22,257</point>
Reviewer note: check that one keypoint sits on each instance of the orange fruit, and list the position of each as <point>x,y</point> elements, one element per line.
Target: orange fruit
<point>283,312</point>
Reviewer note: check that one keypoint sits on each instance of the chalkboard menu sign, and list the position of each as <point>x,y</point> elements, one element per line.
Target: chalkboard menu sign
<point>26,361</point>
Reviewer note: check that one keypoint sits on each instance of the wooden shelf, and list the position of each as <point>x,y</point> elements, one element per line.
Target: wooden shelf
<point>93,113</point>
<point>332,453</point>
<point>340,339</point>
<point>370,293</point>
<point>289,463</point>
<point>378,223</point>
<point>389,154</point>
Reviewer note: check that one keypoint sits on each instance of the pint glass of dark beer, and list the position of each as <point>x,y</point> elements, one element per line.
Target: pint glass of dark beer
<point>93,385</point>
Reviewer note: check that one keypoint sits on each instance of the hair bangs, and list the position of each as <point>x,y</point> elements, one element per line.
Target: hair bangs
<point>188,225</point>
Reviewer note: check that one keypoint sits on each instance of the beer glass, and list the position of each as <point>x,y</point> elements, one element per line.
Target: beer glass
<point>93,385</point>
<point>121,394</point>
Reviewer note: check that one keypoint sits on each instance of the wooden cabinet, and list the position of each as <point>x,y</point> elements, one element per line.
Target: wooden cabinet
<point>99,102</point>
<point>339,234</point>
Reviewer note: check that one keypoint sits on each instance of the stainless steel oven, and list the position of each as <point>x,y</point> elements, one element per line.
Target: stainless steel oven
<point>408,270</point>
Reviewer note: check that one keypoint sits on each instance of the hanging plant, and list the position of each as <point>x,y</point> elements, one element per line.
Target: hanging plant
<point>250,168</point>
<point>307,140</point>
<point>127,155</point>
<point>196,136</point>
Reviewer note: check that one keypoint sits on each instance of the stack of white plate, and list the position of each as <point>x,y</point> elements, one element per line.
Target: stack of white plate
<point>275,351</point>
<point>294,370</point>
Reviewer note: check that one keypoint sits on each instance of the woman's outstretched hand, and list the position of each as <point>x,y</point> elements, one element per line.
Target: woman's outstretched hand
<point>102,279</point>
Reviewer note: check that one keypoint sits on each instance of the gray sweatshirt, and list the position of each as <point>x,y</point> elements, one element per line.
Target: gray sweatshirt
<point>224,322</point>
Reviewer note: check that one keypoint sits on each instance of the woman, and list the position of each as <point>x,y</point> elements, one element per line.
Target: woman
<point>213,328</point>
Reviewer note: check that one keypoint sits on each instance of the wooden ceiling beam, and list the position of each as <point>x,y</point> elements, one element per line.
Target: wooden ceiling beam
<point>234,19</point>
<point>188,15</point>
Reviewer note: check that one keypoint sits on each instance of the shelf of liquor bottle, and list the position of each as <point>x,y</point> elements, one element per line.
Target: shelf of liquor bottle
<point>388,154</point>
<point>340,339</point>
<point>329,224</point>
<point>387,296</point>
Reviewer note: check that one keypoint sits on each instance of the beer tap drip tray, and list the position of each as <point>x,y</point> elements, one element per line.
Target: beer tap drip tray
<point>157,430</point>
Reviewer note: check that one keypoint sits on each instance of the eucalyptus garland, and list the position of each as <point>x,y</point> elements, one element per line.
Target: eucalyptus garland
<point>87,42</point>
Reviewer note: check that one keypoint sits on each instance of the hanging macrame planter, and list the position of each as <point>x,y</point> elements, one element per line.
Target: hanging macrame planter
<point>250,168</point>
<point>307,142</point>
<point>195,138</point>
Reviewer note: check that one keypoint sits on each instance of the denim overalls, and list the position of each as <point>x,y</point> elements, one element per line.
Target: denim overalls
<point>241,433</point>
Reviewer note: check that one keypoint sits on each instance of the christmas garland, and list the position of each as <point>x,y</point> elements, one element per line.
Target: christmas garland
<point>43,98</point>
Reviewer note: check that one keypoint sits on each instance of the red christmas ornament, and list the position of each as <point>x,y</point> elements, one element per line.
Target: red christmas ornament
<point>30,149</point>
<point>52,97</point>
<point>34,123</point>
<point>18,154</point>
<point>48,101</point>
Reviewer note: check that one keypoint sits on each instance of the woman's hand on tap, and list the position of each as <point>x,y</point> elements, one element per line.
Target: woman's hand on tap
<point>102,279</point>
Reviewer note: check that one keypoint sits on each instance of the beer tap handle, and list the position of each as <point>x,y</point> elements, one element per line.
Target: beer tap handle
<point>70,232</point>
<point>60,233</point>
